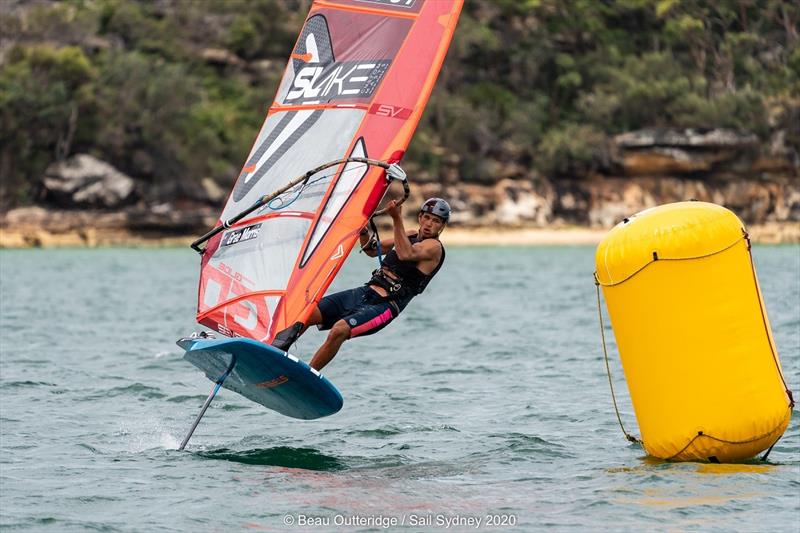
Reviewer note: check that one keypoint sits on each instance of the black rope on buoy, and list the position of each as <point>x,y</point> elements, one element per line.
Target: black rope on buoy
<point>657,258</point>
<point>735,442</point>
<point>764,457</point>
<point>764,322</point>
<point>628,436</point>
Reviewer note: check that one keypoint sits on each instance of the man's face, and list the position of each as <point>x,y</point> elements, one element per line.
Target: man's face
<point>430,225</point>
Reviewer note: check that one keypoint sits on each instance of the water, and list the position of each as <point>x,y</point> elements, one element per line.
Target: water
<point>487,397</point>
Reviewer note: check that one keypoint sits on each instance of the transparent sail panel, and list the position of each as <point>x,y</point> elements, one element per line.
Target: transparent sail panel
<point>348,180</point>
<point>303,149</point>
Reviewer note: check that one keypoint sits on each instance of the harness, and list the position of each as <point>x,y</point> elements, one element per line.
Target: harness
<point>390,285</point>
<point>409,280</point>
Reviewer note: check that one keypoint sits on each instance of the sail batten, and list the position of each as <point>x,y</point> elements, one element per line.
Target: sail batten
<point>352,93</point>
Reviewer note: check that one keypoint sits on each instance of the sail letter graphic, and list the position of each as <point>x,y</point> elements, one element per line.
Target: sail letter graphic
<point>355,85</point>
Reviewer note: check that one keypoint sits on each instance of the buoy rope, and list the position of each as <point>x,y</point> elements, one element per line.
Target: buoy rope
<point>764,457</point>
<point>748,441</point>
<point>656,258</point>
<point>764,321</point>
<point>628,436</point>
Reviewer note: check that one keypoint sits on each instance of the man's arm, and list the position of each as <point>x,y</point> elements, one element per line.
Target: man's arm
<point>365,240</point>
<point>369,247</point>
<point>406,251</point>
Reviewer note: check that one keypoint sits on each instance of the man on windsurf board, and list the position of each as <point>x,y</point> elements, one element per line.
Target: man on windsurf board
<point>412,260</point>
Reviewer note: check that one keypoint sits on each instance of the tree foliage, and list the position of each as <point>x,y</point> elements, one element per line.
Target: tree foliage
<point>541,83</point>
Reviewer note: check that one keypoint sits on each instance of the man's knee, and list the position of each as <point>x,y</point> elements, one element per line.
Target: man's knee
<point>340,331</point>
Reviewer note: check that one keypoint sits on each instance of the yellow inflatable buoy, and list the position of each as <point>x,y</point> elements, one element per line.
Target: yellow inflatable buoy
<point>693,335</point>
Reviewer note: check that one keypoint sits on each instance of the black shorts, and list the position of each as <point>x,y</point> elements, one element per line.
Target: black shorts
<point>364,310</point>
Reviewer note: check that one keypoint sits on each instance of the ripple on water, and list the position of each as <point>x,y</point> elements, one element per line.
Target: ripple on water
<point>520,446</point>
<point>138,390</point>
<point>24,384</point>
<point>284,456</point>
<point>378,433</point>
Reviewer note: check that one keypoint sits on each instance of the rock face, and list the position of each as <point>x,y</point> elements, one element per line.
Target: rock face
<point>516,202</point>
<point>692,152</point>
<point>37,226</point>
<point>612,199</point>
<point>85,181</point>
<point>651,167</point>
<point>686,138</point>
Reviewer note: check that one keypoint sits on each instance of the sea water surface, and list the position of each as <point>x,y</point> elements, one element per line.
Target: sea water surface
<point>485,404</point>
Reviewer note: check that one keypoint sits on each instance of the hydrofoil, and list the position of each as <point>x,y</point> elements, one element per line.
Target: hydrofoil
<point>264,374</point>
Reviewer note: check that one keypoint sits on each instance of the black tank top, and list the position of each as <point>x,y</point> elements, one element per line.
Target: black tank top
<point>413,281</point>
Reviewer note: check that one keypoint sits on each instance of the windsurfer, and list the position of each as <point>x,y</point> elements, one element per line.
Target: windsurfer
<point>411,261</point>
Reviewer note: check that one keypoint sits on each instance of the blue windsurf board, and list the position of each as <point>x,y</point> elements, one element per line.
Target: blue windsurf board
<point>266,375</point>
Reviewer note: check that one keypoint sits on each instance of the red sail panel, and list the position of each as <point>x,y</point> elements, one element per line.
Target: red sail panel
<point>355,86</point>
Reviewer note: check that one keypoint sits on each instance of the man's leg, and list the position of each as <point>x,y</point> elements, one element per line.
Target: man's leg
<point>339,333</point>
<point>367,320</point>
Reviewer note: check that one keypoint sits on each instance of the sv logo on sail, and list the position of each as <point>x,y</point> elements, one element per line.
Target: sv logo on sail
<point>348,79</point>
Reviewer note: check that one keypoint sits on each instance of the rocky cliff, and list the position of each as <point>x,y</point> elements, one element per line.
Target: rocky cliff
<point>86,201</point>
<point>645,168</point>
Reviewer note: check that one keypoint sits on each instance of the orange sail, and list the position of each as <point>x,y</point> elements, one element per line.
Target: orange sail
<point>355,87</point>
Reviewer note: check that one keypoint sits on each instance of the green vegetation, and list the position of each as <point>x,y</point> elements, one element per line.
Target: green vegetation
<point>542,83</point>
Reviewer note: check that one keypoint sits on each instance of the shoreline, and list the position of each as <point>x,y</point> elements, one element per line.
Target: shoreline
<point>23,237</point>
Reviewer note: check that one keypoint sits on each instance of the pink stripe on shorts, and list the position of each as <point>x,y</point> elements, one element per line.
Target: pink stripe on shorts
<point>374,323</point>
